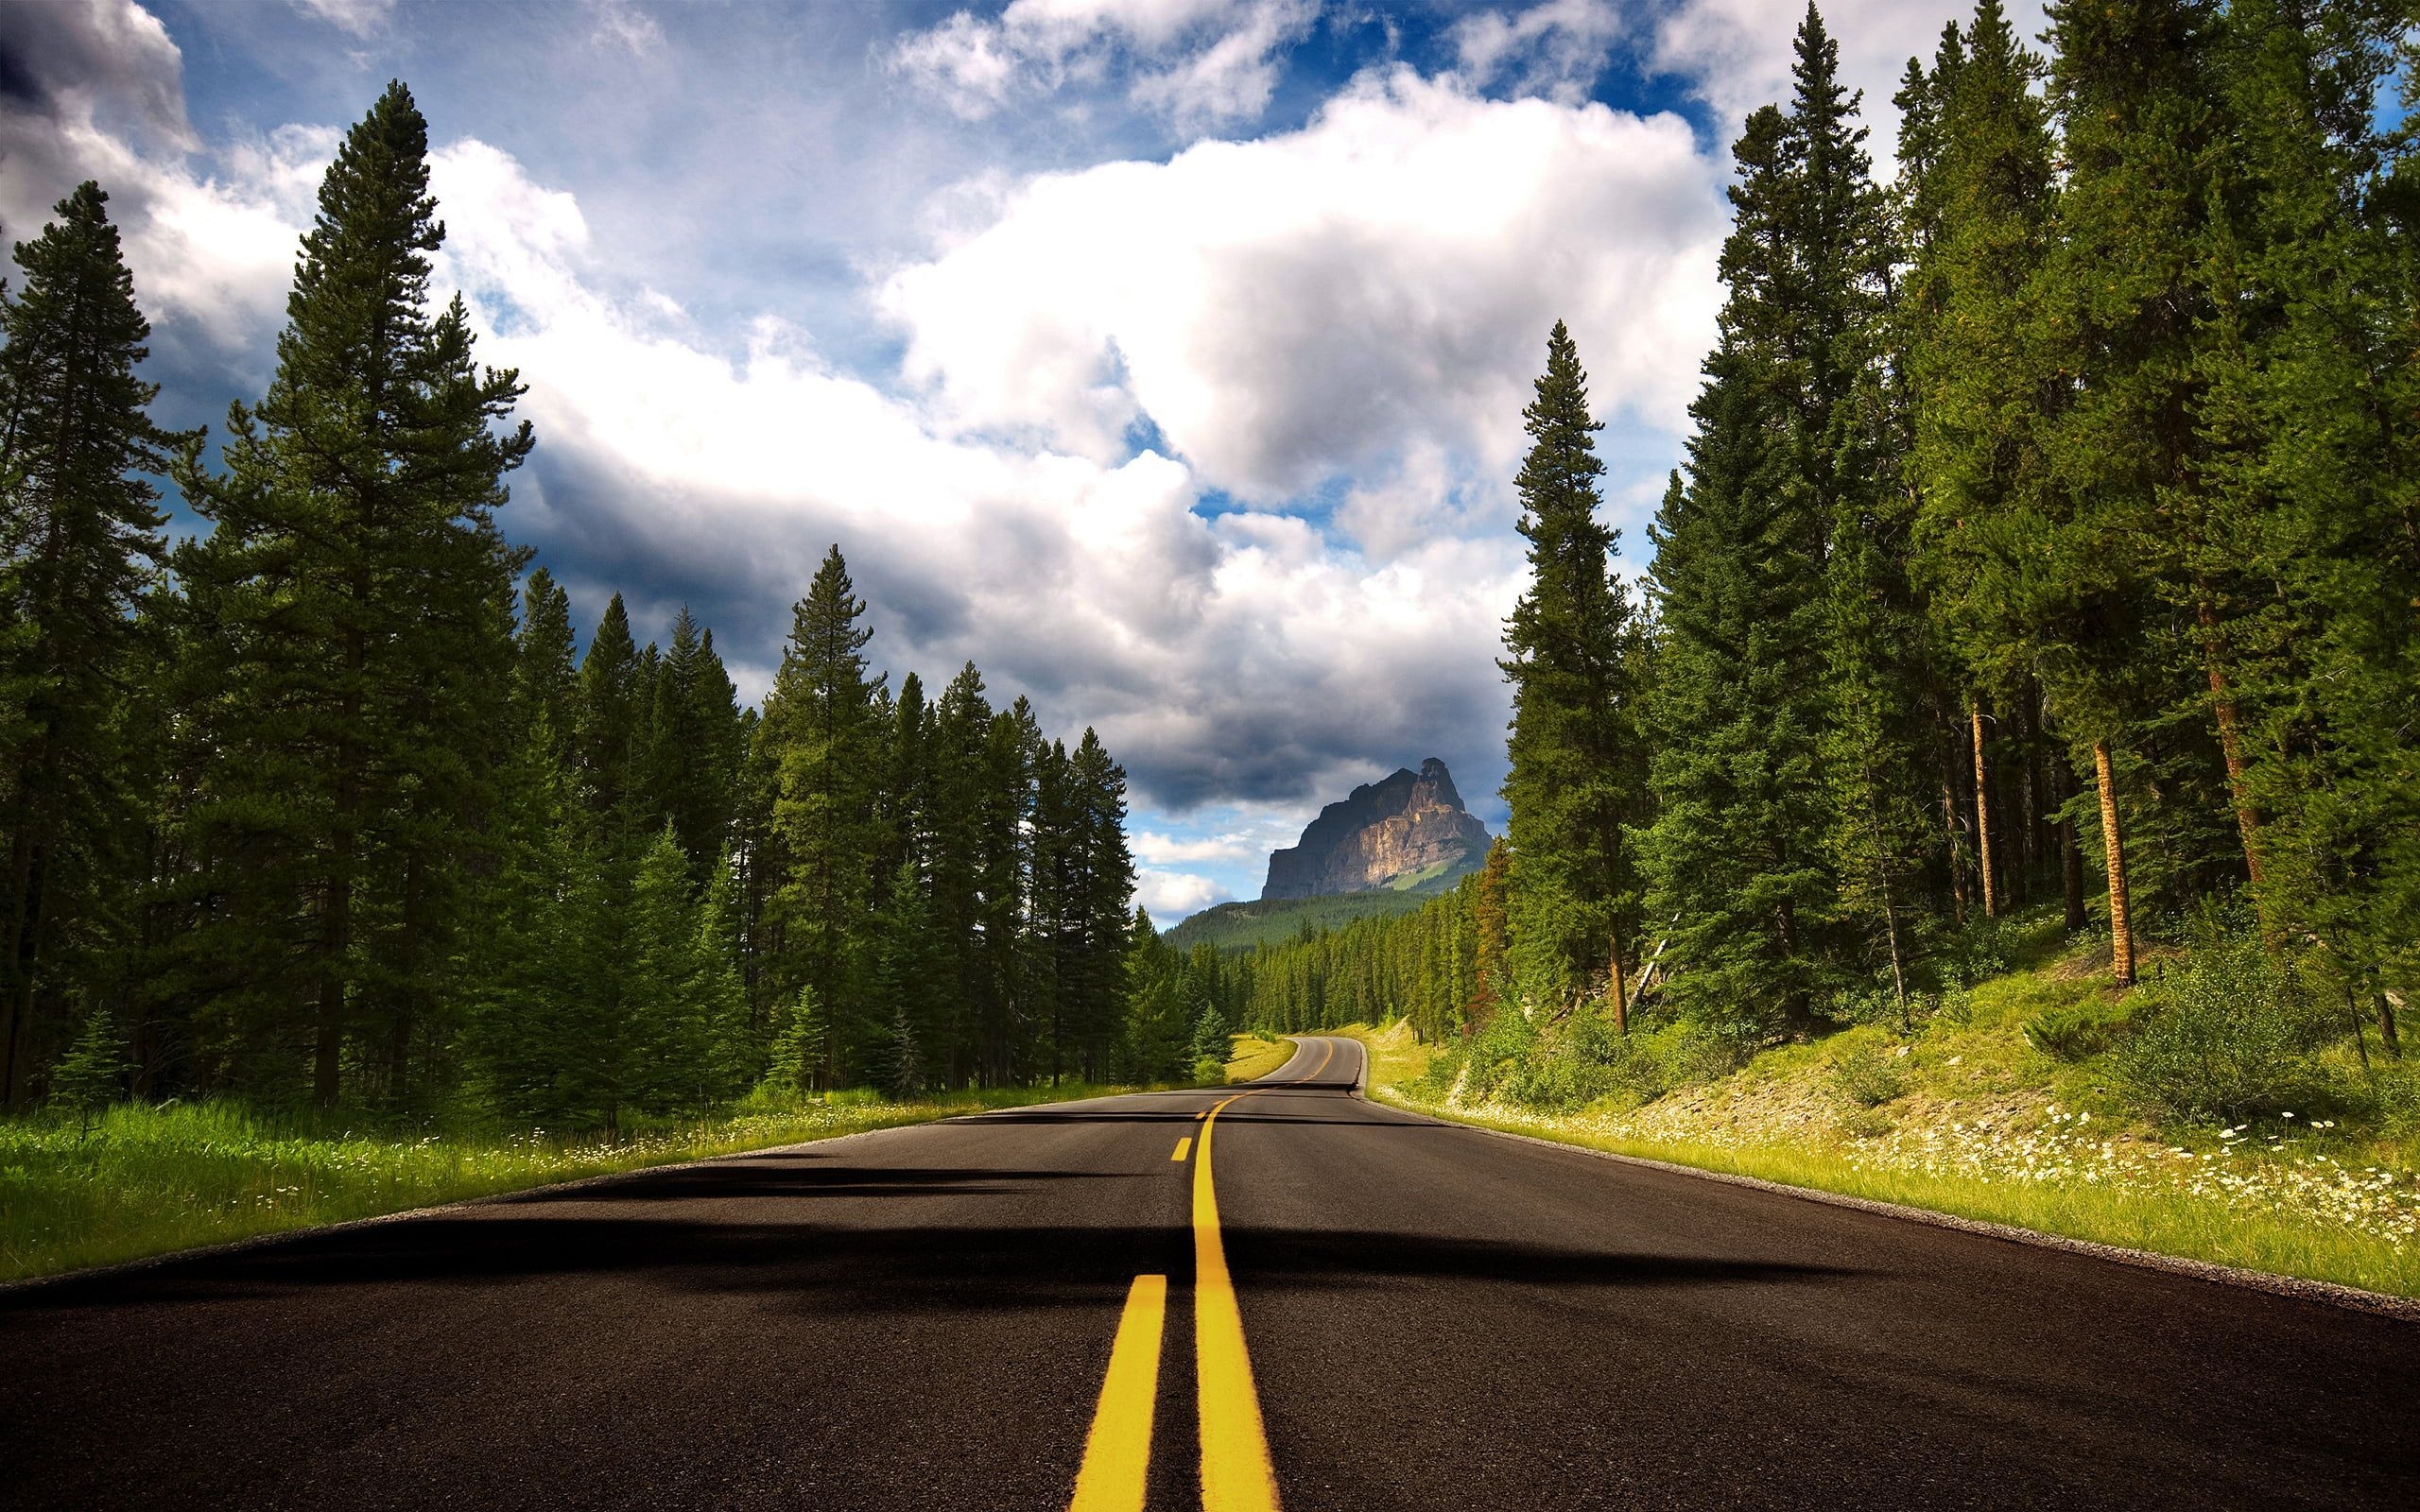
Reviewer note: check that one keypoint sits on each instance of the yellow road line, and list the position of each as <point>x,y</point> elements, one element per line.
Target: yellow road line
<point>1117,1455</point>
<point>1198,1117</point>
<point>1184,1147</point>
<point>1237,1475</point>
<point>1327,1053</point>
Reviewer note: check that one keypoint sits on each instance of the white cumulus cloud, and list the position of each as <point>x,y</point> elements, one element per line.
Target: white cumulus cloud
<point>1200,63</point>
<point>1300,306</point>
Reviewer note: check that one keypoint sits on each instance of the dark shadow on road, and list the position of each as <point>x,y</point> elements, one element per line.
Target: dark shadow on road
<point>804,1173</point>
<point>826,1262</point>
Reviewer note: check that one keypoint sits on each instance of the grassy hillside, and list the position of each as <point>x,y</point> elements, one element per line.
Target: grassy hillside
<point>1241,926</point>
<point>2033,1100</point>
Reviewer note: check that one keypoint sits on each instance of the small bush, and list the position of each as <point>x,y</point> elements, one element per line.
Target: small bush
<point>1983,948</point>
<point>2224,1033</point>
<point>1868,1075</point>
<point>1557,1084</point>
<point>2072,1031</point>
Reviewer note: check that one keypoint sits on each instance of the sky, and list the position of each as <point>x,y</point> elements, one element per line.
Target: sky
<point>1163,357</point>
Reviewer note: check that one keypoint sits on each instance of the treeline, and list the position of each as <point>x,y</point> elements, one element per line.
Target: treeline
<point>319,804</point>
<point>2050,529</point>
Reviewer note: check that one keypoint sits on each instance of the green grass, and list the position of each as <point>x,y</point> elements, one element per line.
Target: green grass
<point>1256,1055</point>
<point>2178,1221</point>
<point>1964,1115</point>
<point>148,1180</point>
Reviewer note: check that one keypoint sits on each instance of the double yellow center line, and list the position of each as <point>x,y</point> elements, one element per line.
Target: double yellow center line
<point>1236,1474</point>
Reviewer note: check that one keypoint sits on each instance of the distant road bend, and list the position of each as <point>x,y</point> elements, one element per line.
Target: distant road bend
<point>1060,1306</point>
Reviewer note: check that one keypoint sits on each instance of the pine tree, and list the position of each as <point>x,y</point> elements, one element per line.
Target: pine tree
<point>546,678</point>
<point>694,752</point>
<point>820,723</point>
<point>79,542</point>
<point>1741,852</point>
<point>526,1020</point>
<point>676,1055</point>
<point>735,1056</point>
<point>966,821</point>
<point>2119,304</point>
<point>90,1076</point>
<point>2312,401</point>
<point>348,606</point>
<point>1578,767</point>
<point>610,733</point>
<point>1099,892</point>
<point>798,1037</point>
<point>1011,750</point>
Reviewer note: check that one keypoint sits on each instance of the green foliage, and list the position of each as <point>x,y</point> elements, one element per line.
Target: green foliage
<point>1866,1070</point>
<point>90,1076</point>
<point>2224,1033</point>
<point>1575,656</point>
<point>345,660</point>
<point>79,539</point>
<point>2077,1031</point>
<point>322,821</point>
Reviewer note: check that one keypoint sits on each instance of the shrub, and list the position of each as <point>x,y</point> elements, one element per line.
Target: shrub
<point>1983,948</point>
<point>2072,1031</point>
<point>2225,1033</point>
<point>1868,1075</point>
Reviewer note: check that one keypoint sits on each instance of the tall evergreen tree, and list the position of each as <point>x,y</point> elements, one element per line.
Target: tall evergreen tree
<point>1742,851</point>
<point>820,720</point>
<point>78,543</point>
<point>1578,767</point>
<point>347,605</point>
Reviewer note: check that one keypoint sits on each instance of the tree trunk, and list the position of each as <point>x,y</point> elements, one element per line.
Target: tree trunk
<point>2386,1005</point>
<point>1621,1000</point>
<point>2122,929</point>
<point>2070,850</point>
<point>1956,863</point>
<point>1983,815</point>
<point>2247,817</point>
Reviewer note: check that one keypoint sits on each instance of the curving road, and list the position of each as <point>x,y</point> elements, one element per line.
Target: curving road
<point>1026,1310</point>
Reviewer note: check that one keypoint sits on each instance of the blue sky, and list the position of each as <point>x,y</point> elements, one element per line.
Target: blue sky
<point>1165,357</point>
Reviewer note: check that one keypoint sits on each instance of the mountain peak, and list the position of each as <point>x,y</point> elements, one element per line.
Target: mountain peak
<point>1406,830</point>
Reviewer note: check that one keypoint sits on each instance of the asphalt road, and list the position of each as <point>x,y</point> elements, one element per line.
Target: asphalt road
<point>935,1317</point>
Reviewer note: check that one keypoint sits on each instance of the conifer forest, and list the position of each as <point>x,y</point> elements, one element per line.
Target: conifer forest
<point>2049,535</point>
<point>318,806</point>
<point>2049,539</point>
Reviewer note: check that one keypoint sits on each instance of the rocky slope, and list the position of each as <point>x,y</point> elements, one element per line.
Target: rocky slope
<point>1411,826</point>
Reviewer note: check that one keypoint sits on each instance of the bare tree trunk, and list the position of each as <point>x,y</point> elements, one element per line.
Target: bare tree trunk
<point>1621,1000</point>
<point>2122,929</point>
<point>2387,1003</point>
<point>2071,872</point>
<point>1956,863</point>
<point>1983,815</point>
<point>2247,817</point>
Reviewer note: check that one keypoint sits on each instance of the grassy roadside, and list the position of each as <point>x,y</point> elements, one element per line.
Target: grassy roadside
<point>147,1181</point>
<point>1255,1055</point>
<point>1983,1133</point>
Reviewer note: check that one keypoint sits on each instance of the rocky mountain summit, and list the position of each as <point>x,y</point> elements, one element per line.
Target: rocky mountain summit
<point>1409,830</point>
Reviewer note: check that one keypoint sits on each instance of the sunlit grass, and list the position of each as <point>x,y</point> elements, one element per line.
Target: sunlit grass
<point>1255,1055</point>
<point>2289,1203</point>
<point>149,1179</point>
